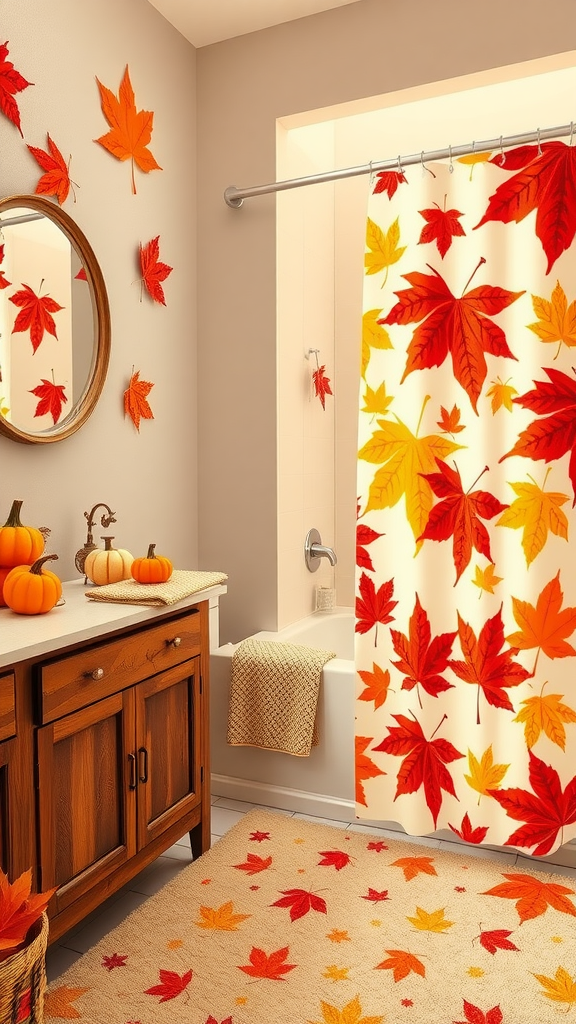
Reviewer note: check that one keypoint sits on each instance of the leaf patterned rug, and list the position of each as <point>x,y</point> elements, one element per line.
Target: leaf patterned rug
<point>288,922</point>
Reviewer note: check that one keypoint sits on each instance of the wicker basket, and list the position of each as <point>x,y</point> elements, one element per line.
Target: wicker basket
<point>23,979</point>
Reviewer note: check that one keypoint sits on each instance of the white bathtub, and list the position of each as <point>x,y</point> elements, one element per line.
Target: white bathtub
<point>322,783</point>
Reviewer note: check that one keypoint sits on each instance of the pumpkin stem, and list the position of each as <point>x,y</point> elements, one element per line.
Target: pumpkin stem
<point>108,543</point>
<point>151,551</point>
<point>14,516</point>
<point>36,566</point>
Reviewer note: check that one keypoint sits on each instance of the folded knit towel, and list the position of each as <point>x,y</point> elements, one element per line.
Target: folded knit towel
<point>180,585</point>
<point>273,695</point>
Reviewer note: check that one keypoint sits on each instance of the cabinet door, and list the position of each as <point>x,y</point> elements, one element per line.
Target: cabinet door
<point>6,760</point>
<point>87,796</point>
<point>168,748</point>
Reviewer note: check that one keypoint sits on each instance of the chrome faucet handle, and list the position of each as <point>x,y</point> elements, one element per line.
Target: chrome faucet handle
<point>315,550</point>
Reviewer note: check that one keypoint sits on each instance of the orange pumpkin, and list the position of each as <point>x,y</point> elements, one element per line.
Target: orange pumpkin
<point>19,545</point>
<point>30,589</point>
<point>4,570</point>
<point>152,569</point>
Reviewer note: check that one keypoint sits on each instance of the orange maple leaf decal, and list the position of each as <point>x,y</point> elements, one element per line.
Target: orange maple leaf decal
<point>413,866</point>
<point>449,422</point>
<point>365,767</point>
<point>135,400</point>
<point>58,1002</point>
<point>253,864</point>
<point>460,326</point>
<point>321,385</point>
<point>153,271</point>
<point>402,964</point>
<point>56,179</point>
<point>376,682</point>
<point>533,896</point>
<point>544,626</point>
<point>35,314</point>
<point>130,130</point>
<point>271,966</point>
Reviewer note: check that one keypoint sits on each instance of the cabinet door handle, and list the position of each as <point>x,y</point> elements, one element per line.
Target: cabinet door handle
<point>98,673</point>
<point>132,760</point>
<point>175,642</point>
<point>143,764</point>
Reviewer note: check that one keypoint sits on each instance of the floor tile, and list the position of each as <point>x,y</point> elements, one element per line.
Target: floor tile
<point>320,821</point>
<point>538,865</point>
<point>223,819</point>
<point>91,933</point>
<point>179,852</point>
<point>275,810</point>
<point>157,875</point>
<point>233,805</point>
<point>58,960</point>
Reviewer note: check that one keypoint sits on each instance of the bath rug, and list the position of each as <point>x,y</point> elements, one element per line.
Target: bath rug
<point>181,584</point>
<point>274,690</point>
<point>288,922</point>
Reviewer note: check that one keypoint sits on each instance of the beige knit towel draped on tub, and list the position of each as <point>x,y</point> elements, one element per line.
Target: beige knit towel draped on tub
<point>274,690</point>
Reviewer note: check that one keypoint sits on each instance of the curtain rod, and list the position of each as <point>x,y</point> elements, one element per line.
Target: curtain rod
<point>235,197</point>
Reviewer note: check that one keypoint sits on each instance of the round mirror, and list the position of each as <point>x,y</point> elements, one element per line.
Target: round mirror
<point>54,322</point>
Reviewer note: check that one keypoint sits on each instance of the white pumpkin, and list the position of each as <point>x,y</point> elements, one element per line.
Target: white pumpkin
<point>108,565</point>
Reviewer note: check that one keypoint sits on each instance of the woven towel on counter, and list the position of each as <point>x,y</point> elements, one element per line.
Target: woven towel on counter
<point>181,584</point>
<point>274,690</point>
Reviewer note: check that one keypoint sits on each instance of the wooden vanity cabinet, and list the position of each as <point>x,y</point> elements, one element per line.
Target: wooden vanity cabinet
<point>117,751</point>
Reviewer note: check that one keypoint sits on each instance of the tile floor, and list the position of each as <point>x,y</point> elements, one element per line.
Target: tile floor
<point>225,813</point>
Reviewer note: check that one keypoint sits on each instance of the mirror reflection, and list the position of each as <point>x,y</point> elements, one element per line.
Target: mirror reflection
<point>54,324</point>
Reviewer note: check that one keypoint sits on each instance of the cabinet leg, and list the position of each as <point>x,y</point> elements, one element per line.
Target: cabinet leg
<point>196,841</point>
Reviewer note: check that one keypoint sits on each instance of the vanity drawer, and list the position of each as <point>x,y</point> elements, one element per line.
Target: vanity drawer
<point>7,707</point>
<point>68,684</point>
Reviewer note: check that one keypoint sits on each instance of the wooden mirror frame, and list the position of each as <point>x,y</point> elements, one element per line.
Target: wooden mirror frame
<point>85,405</point>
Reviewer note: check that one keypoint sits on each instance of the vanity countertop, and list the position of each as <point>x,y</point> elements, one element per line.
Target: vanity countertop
<point>80,618</point>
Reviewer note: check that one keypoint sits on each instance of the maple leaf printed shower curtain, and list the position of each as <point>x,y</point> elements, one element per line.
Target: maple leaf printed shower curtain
<point>466,582</point>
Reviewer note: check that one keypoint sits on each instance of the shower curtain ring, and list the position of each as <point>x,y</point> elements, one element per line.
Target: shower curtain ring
<point>502,154</point>
<point>571,132</point>
<point>371,179</point>
<point>450,165</point>
<point>538,140</point>
<point>400,168</point>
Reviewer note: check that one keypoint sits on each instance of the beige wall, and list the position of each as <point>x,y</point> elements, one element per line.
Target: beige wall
<point>366,49</point>
<point>149,479</point>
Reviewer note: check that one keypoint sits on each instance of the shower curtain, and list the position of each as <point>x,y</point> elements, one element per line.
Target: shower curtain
<point>466,528</point>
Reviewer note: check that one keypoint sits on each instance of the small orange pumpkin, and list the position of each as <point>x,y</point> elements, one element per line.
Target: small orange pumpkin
<point>30,589</point>
<point>4,570</point>
<point>152,569</point>
<point>19,545</point>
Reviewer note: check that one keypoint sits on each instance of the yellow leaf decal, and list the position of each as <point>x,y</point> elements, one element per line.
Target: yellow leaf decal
<point>501,394</point>
<point>430,922</point>
<point>404,458</point>
<point>545,714</point>
<point>335,973</point>
<point>383,247</point>
<point>557,319</point>
<point>484,774</point>
<point>374,335</point>
<point>535,511</point>
<point>58,1002</point>
<point>485,578</point>
<point>377,401</point>
<point>223,919</point>
<point>561,988</point>
<point>351,1013</point>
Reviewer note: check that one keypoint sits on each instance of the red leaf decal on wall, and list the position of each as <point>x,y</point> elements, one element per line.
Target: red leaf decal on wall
<point>321,385</point>
<point>52,398</point>
<point>153,271</point>
<point>545,811</point>
<point>545,182</point>
<point>11,82</point>
<point>462,327</point>
<point>424,764</point>
<point>136,400</point>
<point>55,181</point>
<point>35,314</point>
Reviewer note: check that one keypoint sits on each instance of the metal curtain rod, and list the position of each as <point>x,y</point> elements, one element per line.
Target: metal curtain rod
<point>235,197</point>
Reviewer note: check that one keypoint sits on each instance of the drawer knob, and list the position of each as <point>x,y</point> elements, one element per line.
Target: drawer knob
<point>175,642</point>
<point>98,673</point>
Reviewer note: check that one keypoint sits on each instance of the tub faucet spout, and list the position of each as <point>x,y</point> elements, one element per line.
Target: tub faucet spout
<point>315,550</point>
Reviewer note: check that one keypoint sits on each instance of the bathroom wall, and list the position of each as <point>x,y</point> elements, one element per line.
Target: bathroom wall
<point>367,49</point>
<point>150,478</point>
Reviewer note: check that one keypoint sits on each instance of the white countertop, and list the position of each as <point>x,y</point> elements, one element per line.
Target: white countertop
<point>80,618</point>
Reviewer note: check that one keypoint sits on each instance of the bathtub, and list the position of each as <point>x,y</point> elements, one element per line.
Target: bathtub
<point>321,784</point>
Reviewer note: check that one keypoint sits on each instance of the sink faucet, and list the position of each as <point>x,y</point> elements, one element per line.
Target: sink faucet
<point>314,550</point>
